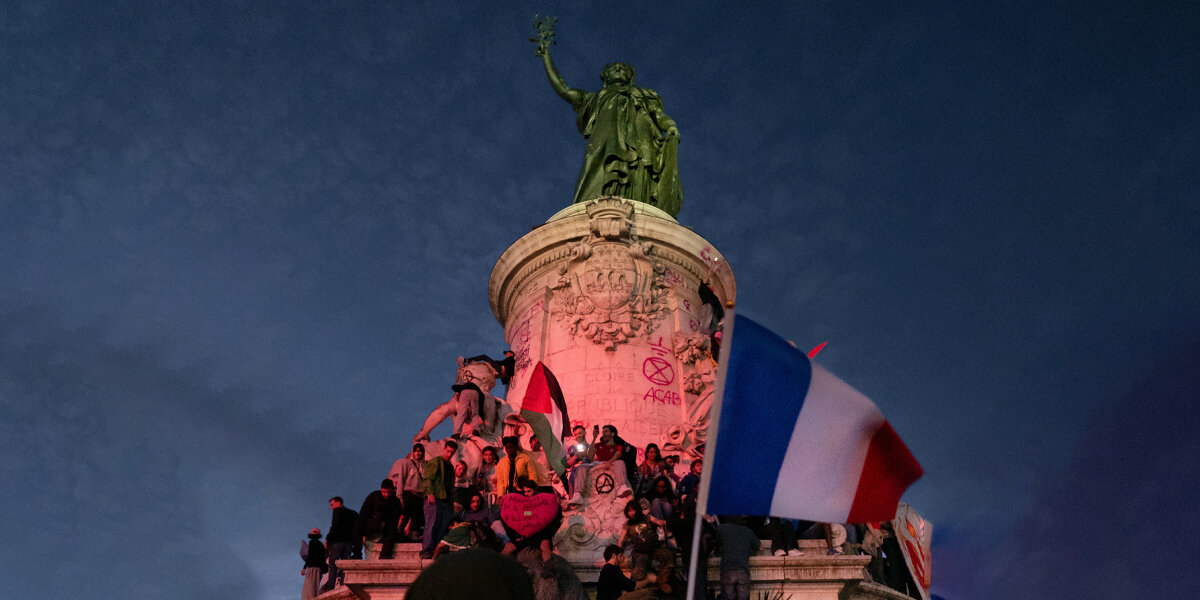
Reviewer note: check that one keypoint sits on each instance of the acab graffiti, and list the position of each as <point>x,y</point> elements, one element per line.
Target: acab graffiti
<point>661,396</point>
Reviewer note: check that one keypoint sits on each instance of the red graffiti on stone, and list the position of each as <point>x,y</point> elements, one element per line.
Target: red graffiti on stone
<point>658,370</point>
<point>527,515</point>
<point>671,278</point>
<point>661,396</point>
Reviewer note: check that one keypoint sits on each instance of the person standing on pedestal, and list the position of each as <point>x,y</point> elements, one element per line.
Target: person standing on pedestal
<point>340,540</point>
<point>406,473</point>
<point>515,465</point>
<point>738,544</point>
<point>437,482</point>
<point>380,515</point>
<point>314,566</point>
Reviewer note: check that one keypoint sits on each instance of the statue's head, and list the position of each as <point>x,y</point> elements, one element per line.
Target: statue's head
<point>618,73</point>
<point>480,373</point>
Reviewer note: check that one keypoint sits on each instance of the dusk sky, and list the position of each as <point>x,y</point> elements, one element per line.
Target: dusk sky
<point>242,244</point>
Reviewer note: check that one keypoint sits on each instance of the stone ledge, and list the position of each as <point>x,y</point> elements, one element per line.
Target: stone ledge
<point>811,576</point>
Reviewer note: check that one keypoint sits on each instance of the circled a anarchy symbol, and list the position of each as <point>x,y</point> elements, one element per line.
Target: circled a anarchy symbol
<point>658,371</point>
<point>605,483</point>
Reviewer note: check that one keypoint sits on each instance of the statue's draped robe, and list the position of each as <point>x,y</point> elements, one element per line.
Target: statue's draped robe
<point>626,153</point>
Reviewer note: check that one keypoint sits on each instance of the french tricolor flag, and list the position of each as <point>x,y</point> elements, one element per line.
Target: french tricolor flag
<point>791,440</point>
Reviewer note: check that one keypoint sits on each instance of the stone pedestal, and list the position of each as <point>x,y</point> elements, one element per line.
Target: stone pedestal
<point>813,576</point>
<point>605,293</point>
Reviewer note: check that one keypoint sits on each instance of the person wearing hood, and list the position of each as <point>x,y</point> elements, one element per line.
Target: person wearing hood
<point>406,474</point>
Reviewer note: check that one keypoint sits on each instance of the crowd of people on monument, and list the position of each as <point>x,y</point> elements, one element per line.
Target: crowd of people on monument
<point>449,507</point>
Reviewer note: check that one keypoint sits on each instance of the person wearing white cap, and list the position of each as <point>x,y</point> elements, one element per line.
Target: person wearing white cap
<point>314,565</point>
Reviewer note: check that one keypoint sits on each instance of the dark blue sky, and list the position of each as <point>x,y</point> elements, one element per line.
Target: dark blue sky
<point>242,243</point>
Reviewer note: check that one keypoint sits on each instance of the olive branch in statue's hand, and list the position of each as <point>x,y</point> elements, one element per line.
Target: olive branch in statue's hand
<point>545,34</point>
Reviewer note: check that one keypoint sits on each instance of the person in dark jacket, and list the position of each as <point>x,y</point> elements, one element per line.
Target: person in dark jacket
<point>341,541</point>
<point>314,566</point>
<point>380,515</point>
<point>612,581</point>
<point>738,544</point>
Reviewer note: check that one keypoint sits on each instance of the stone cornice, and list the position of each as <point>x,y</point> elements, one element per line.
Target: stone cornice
<point>552,242</point>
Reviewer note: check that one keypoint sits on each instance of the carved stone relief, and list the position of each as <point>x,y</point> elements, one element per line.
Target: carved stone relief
<point>699,381</point>
<point>607,291</point>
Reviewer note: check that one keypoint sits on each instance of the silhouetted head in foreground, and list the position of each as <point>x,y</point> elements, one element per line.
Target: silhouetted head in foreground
<point>474,573</point>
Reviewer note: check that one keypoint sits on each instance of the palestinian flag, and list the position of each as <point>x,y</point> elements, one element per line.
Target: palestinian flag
<point>546,412</point>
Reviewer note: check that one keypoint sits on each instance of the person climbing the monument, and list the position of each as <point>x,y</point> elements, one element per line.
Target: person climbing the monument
<point>380,516</point>
<point>340,542</point>
<point>504,368</point>
<point>632,144</point>
<point>515,464</point>
<point>468,408</point>
<point>406,475</point>
<point>437,483</point>
<point>313,553</point>
<point>472,410</point>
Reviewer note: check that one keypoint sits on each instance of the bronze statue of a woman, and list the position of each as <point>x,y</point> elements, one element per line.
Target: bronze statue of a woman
<point>632,144</point>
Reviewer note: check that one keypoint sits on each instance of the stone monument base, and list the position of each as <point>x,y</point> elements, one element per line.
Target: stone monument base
<point>811,576</point>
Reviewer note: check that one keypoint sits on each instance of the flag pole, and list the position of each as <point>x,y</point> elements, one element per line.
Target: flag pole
<point>710,444</point>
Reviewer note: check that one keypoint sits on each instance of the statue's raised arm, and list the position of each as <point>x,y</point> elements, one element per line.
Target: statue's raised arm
<point>632,143</point>
<point>544,39</point>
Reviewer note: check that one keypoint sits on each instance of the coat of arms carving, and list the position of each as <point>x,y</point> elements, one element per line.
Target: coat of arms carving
<point>607,292</point>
